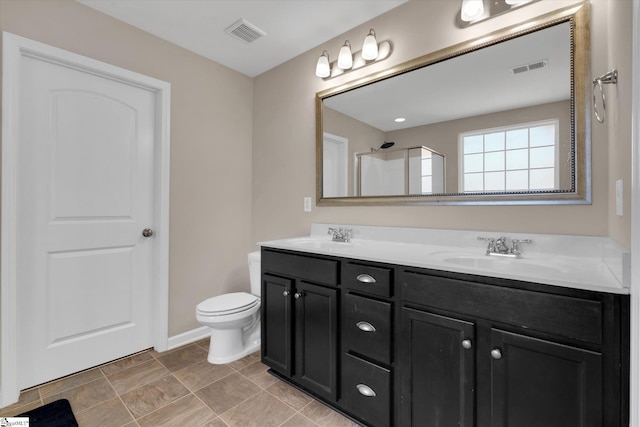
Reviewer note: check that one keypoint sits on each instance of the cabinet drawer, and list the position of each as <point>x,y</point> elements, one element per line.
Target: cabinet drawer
<point>571,317</point>
<point>367,278</point>
<point>367,327</point>
<point>366,389</point>
<point>305,267</point>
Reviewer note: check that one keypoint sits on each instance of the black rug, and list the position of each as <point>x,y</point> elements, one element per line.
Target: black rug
<point>54,414</point>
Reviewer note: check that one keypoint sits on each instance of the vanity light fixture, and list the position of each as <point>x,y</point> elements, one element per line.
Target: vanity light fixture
<point>370,46</point>
<point>323,69</point>
<point>471,10</point>
<point>474,11</point>
<point>371,52</point>
<point>345,57</point>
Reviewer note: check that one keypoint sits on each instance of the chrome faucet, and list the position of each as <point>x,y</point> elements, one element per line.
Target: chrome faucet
<point>500,246</point>
<point>340,234</point>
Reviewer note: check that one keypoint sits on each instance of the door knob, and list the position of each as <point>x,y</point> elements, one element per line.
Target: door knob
<point>496,354</point>
<point>147,232</point>
<point>466,344</point>
<point>298,295</point>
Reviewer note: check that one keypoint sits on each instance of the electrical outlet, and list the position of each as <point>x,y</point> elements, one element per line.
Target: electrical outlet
<point>307,204</point>
<point>619,205</point>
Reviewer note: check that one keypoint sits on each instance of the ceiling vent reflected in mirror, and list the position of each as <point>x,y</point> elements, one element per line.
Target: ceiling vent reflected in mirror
<point>244,31</point>
<point>536,65</point>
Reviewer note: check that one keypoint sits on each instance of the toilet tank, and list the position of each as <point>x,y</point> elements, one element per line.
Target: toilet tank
<point>254,272</point>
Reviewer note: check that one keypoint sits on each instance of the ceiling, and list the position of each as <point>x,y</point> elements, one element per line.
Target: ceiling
<point>292,27</point>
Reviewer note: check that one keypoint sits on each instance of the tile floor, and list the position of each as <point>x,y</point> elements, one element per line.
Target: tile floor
<point>180,388</point>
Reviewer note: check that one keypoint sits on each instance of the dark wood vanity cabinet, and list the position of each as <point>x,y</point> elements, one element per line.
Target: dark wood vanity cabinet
<point>300,320</point>
<point>505,354</point>
<point>391,345</point>
<point>367,337</point>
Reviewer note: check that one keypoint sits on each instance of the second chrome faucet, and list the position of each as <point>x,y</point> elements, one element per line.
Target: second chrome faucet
<point>500,246</point>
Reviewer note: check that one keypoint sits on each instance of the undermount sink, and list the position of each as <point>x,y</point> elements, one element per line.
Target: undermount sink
<point>323,243</point>
<point>502,264</point>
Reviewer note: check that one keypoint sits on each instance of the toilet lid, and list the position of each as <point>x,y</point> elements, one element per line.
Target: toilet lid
<point>228,303</point>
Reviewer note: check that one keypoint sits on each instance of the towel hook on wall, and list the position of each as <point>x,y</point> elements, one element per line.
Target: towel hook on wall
<point>609,78</point>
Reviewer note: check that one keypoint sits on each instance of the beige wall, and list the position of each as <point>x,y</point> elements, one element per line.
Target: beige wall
<point>211,137</point>
<point>284,143</point>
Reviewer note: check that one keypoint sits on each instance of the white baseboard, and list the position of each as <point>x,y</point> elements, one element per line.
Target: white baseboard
<point>188,337</point>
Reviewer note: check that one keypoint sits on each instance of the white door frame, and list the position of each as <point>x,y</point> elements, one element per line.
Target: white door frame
<point>14,48</point>
<point>634,400</point>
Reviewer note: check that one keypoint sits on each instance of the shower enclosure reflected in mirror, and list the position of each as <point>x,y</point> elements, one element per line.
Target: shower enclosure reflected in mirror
<point>507,114</point>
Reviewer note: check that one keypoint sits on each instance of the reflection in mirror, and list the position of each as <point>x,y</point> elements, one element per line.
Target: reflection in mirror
<point>498,121</point>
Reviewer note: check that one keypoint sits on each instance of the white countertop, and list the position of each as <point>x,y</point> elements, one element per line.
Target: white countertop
<point>580,262</point>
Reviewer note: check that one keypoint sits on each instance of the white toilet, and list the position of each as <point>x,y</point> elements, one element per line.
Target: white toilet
<point>234,319</point>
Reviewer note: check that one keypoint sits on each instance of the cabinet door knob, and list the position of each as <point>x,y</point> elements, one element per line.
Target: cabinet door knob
<point>466,344</point>
<point>365,278</point>
<point>365,390</point>
<point>496,353</point>
<point>297,295</point>
<point>286,293</point>
<point>365,326</point>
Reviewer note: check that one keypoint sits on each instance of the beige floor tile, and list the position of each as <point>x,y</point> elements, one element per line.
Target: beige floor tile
<point>299,420</point>
<point>261,410</point>
<point>289,395</point>
<point>226,393</point>
<point>111,413</point>
<point>245,361</point>
<point>153,396</point>
<point>257,372</point>
<point>27,399</point>
<point>201,374</point>
<point>183,357</point>
<point>136,376</point>
<point>85,395</point>
<point>325,416</point>
<point>67,383</point>
<point>126,362</point>
<point>215,423</point>
<point>16,410</point>
<point>204,343</point>
<point>188,411</point>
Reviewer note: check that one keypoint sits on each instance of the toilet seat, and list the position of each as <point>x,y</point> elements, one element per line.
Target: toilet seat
<point>226,304</point>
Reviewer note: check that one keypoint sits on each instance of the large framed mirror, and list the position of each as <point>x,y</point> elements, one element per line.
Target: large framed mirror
<point>504,119</point>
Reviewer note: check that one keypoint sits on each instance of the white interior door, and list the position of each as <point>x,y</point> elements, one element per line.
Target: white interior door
<point>335,156</point>
<point>85,194</point>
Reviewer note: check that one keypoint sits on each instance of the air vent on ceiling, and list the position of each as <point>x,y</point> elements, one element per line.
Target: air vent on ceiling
<point>536,65</point>
<point>245,31</point>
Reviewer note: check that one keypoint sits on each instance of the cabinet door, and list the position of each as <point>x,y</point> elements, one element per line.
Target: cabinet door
<point>542,383</point>
<point>317,338</point>
<point>276,323</point>
<point>437,370</point>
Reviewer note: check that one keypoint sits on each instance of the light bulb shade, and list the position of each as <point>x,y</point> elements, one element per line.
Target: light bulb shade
<point>370,46</point>
<point>323,69</point>
<point>345,58</point>
<point>471,10</point>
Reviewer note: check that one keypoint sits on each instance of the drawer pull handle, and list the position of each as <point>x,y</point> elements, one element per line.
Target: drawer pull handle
<point>286,293</point>
<point>365,278</point>
<point>365,390</point>
<point>466,344</point>
<point>496,354</point>
<point>298,295</point>
<point>365,326</point>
